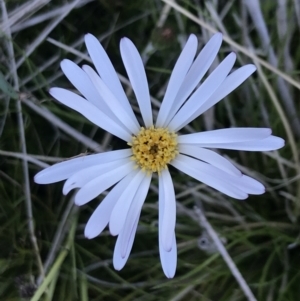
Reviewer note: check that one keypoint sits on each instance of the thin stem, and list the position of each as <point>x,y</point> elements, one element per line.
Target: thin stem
<point>234,44</point>
<point>23,147</point>
<point>231,265</point>
<point>57,264</point>
<point>60,234</point>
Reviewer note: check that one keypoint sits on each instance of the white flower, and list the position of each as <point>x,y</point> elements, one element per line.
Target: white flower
<point>153,145</point>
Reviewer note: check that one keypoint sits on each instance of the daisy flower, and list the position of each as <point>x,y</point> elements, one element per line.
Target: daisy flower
<point>153,145</point>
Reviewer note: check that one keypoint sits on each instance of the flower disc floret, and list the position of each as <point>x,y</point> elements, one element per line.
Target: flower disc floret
<point>154,148</point>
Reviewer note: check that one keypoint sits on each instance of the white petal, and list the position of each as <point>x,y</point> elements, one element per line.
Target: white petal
<point>111,101</point>
<point>230,135</point>
<point>101,183</point>
<point>179,72</point>
<point>107,72</point>
<point>209,175</point>
<point>203,93</point>
<point>80,81</point>
<point>137,76</point>
<point>267,144</point>
<point>196,73</point>
<point>84,85</point>
<point>65,169</point>
<point>100,217</point>
<point>119,213</point>
<point>83,176</point>
<point>118,260</point>
<point>133,213</point>
<point>169,216</point>
<point>232,81</point>
<point>89,111</point>
<point>250,185</point>
<point>168,259</point>
<point>242,182</point>
<point>210,157</point>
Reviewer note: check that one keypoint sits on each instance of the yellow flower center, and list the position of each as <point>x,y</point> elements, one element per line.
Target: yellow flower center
<point>153,148</point>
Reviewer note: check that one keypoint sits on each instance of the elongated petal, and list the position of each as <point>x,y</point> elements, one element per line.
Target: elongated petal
<point>127,120</point>
<point>80,81</point>
<point>96,186</point>
<point>133,213</point>
<point>179,72</point>
<point>203,93</point>
<point>118,260</point>
<point>168,259</point>
<point>89,111</point>
<point>222,170</point>
<point>100,217</point>
<point>137,76</point>
<point>196,73</point>
<point>232,81</point>
<point>84,85</point>
<point>250,185</point>
<point>65,169</point>
<point>169,216</point>
<point>82,177</point>
<point>119,213</point>
<point>209,175</point>
<point>107,72</point>
<point>210,157</point>
<point>267,144</point>
<point>230,135</point>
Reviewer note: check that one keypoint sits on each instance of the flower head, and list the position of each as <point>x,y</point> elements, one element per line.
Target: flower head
<point>153,146</point>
